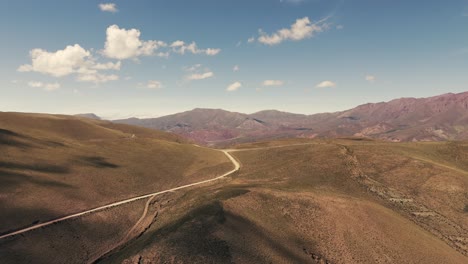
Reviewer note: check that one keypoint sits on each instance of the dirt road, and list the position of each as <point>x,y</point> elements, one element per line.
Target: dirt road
<point>24,230</point>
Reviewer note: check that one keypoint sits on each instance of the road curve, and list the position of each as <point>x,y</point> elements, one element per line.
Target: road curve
<point>61,219</point>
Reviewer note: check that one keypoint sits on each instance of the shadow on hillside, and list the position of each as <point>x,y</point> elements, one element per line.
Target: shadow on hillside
<point>8,179</point>
<point>45,168</point>
<point>237,224</point>
<point>195,238</point>
<point>14,216</point>
<point>97,162</point>
<point>10,138</point>
<point>70,241</point>
<point>13,139</point>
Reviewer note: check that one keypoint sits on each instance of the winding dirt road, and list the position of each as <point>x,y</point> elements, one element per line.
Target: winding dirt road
<point>24,230</point>
<point>104,207</point>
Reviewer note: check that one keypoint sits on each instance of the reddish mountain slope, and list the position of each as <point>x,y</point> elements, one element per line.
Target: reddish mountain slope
<point>443,117</point>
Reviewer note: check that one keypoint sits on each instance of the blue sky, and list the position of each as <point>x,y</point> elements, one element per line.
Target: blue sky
<point>136,58</point>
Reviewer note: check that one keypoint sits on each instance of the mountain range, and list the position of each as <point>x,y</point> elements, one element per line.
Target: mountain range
<point>438,118</point>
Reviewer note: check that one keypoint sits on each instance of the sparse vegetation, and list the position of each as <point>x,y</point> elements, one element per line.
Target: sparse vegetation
<point>294,200</point>
<point>56,165</point>
<point>301,204</point>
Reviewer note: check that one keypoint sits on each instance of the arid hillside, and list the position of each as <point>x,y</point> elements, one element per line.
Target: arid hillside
<point>349,200</point>
<point>339,201</point>
<point>53,165</point>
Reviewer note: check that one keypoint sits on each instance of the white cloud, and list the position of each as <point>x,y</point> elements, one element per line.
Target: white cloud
<point>234,87</point>
<point>193,68</point>
<point>97,77</point>
<point>250,40</point>
<point>46,86</point>
<point>181,47</point>
<point>125,44</point>
<point>339,27</point>
<point>25,68</point>
<point>272,83</point>
<point>325,84</point>
<point>107,66</point>
<point>163,54</point>
<point>301,29</point>
<point>370,78</point>
<point>212,52</point>
<point>177,43</point>
<point>235,68</point>
<point>71,60</point>
<point>108,7</point>
<point>153,84</point>
<point>59,63</point>
<point>200,76</point>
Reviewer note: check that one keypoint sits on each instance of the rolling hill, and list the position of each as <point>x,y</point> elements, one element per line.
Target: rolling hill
<point>438,118</point>
<point>319,201</point>
<point>53,165</point>
<point>303,200</point>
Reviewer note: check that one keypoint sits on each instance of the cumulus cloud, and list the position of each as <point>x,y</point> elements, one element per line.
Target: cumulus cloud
<point>200,76</point>
<point>125,44</point>
<point>301,29</point>
<point>107,66</point>
<point>120,44</point>
<point>250,40</point>
<point>153,84</point>
<point>59,63</point>
<point>71,60</point>
<point>181,47</point>
<point>370,78</point>
<point>272,83</point>
<point>235,68</point>
<point>108,7</point>
<point>325,84</point>
<point>212,52</point>
<point>46,86</point>
<point>234,87</point>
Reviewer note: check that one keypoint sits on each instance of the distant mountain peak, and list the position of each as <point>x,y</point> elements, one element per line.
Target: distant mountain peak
<point>442,117</point>
<point>89,115</point>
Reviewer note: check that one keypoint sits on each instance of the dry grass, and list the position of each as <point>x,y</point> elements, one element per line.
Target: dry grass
<point>335,201</point>
<point>304,204</point>
<point>75,241</point>
<point>56,165</point>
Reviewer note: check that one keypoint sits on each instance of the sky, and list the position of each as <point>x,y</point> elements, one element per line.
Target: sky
<point>142,58</point>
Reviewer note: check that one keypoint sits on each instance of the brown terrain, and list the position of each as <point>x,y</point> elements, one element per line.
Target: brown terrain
<point>54,165</point>
<point>438,118</point>
<point>348,200</point>
<point>339,201</point>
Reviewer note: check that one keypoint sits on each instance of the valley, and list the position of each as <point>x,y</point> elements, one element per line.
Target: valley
<point>212,132</point>
<point>348,200</point>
